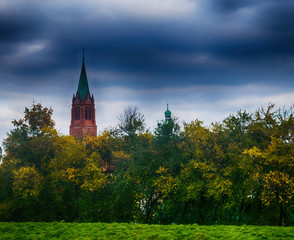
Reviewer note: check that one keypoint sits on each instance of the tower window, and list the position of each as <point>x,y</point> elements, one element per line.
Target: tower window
<point>86,113</point>
<point>90,113</point>
<point>77,113</point>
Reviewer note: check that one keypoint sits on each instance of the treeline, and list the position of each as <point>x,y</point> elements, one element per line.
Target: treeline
<point>239,171</point>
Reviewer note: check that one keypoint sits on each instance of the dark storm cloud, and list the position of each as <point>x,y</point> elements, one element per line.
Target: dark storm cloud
<point>275,23</point>
<point>251,32</point>
<point>16,26</point>
<point>278,21</point>
<point>205,54</point>
<point>229,6</point>
<point>215,47</point>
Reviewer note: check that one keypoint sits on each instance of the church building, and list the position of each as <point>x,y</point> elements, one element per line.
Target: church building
<point>83,121</point>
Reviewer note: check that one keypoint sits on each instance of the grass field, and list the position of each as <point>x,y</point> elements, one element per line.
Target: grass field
<point>57,230</point>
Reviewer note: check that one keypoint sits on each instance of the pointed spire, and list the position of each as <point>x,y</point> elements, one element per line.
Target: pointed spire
<point>83,89</point>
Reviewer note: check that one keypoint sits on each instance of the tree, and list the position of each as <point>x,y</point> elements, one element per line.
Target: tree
<point>131,122</point>
<point>238,171</point>
<point>273,174</point>
<point>263,126</point>
<point>27,182</point>
<point>104,145</point>
<point>28,150</point>
<point>166,144</point>
<point>31,139</point>
<point>35,119</point>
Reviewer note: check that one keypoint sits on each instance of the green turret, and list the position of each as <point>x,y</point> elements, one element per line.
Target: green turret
<point>167,114</point>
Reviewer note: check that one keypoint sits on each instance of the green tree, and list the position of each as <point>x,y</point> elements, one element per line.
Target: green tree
<point>238,171</point>
<point>273,174</point>
<point>31,139</point>
<point>131,122</point>
<point>35,119</point>
<point>28,150</point>
<point>166,145</point>
<point>0,155</point>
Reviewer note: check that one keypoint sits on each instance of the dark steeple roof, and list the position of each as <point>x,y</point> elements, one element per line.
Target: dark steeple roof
<point>83,89</point>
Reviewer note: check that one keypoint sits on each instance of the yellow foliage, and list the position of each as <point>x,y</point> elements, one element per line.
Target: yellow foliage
<point>73,175</point>
<point>277,185</point>
<point>161,170</point>
<point>207,170</point>
<point>165,183</point>
<point>73,164</point>
<point>69,154</point>
<point>121,155</point>
<point>206,177</point>
<point>196,137</point>
<point>255,152</point>
<point>272,170</point>
<point>27,182</point>
<point>93,178</point>
<point>103,141</point>
<point>218,187</point>
<point>196,132</point>
<point>147,136</point>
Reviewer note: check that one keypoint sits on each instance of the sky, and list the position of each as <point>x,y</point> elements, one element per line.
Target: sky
<point>209,58</point>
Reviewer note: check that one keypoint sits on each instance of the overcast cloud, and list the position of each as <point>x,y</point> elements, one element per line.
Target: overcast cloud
<point>210,58</point>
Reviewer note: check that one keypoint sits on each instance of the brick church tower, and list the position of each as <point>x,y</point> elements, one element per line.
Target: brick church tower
<point>83,110</point>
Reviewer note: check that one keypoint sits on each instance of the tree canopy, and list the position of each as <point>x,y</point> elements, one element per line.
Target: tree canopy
<point>238,171</point>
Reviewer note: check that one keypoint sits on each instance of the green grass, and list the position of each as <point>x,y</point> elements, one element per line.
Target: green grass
<point>121,231</point>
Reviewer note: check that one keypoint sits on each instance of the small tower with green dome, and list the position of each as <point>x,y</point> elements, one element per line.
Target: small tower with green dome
<point>167,114</point>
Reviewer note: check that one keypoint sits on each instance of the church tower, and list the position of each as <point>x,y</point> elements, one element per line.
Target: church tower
<point>83,121</point>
